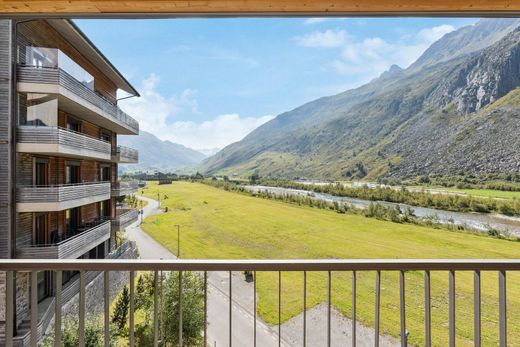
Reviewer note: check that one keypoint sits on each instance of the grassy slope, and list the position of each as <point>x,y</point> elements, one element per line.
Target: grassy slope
<point>219,224</point>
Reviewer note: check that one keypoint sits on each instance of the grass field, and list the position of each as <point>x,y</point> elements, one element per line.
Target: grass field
<point>221,224</point>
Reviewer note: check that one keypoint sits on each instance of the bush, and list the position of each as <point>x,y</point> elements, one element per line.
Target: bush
<point>70,337</point>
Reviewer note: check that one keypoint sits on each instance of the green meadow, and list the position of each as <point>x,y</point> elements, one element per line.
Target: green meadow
<point>226,225</point>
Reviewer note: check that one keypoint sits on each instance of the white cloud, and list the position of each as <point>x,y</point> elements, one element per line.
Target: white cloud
<point>216,133</point>
<point>372,56</point>
<point>324,39</point>
<point>315,20</point>
<point>433,34</point>
<point>156,114</point>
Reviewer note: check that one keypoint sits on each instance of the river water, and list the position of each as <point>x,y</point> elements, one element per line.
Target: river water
<point>479,221</point>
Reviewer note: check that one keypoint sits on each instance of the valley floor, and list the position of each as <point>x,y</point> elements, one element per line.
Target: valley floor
<point>220,224</point>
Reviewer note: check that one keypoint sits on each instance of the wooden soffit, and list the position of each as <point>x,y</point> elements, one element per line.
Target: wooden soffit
<point>184,8</point>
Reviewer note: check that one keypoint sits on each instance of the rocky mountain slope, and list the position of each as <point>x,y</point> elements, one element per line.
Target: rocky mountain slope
<point>157,154</point>
<point>453,109</point>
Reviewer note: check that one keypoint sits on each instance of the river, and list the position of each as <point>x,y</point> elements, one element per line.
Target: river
<point>479,221</point>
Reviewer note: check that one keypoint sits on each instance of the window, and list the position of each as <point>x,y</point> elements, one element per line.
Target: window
<point>72,172</point>
<point>41,172</point>
<point>41,233</point>
<point>104,173</point>
<point>71,221</point>
<point>44,285</point>
<point>73,124</point>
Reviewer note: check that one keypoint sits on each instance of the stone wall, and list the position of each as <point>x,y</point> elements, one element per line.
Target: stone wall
<point>94,292</point>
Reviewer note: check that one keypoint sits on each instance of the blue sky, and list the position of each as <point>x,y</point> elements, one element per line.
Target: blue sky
<point>208,82</point>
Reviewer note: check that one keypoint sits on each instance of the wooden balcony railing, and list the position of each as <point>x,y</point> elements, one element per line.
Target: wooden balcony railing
<point>124,218</point>
<point>56,76</point>
<point>377,266</point>
<point>125,155</point>
<point>60,197</point>
<point>56,140</point>
<point>121,188</point>
<point>69,247</point>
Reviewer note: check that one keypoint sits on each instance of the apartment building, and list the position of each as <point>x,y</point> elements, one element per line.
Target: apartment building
<point>60,197</point>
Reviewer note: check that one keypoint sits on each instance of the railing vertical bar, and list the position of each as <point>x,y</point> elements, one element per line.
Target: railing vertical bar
<point>304,308</point>
<point>427,310</point>
<point>155,309</point>
<point>34,308</point>
<point>279,308</point>
<point>132,309</point>
<point>476,309</point>
<point>254,309</point>
<point>81,328</point>
<point>161,308</point>
<point>404,343</point>
<point>230,309</point>
<point>57,310</point>
<point>452,308</point>
<point>502,299</point>
<point>205,308</point>
<point>378,300</point>
<point>181,304</point>
<point>106,299</point>
<point>353,308</point>
<point>9,307</point>
<point>328,307</point>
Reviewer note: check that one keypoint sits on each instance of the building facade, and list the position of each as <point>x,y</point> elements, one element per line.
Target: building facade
<point>60,197</point>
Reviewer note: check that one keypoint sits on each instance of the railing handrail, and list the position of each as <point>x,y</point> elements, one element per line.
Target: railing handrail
<point>263,265</point>
<point>54,127</point>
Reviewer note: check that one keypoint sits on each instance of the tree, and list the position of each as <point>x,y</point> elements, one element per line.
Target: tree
<point>193,308</point>
<point>121,310</point>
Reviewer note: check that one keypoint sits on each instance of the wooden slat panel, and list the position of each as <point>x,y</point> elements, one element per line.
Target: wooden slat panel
<point>125,218</point>
<point>70,248</point>
<point>60,136</point>
<point>255,6</point>
<point>5,136</point>
<point>61,193</point>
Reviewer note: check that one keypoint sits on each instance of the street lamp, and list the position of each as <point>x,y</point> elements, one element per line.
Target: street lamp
<point>178,240</point>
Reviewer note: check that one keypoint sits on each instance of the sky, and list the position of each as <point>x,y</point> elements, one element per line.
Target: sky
<point>206,83</point>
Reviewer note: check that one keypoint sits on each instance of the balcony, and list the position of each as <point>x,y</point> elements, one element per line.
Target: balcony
<point>366,269</point>
<point>124,217</point>
<point>70,246</point>
<point>125,155</point>
<point>56,141</point>
<point>121,188</point>
<point>60,197</point>
<point>75,97</point>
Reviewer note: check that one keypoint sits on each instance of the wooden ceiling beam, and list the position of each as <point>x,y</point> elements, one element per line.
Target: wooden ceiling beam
<point>177,8</point>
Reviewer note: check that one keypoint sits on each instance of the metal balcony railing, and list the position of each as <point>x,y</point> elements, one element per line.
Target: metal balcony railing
<point>67,141</point>
<point>126,155</point>
<point>278,266</point>
<point>57,76</point>
<point>121,188</point>
<point>69,246</point>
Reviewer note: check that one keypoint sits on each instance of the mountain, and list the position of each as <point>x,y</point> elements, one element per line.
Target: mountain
<point>157,154</point>
<point>455,109</point>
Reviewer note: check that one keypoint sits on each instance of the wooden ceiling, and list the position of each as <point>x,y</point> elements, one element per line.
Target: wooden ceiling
<point>176,8</point>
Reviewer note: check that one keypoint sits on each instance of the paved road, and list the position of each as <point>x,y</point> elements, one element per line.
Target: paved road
<point>218,299</point>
